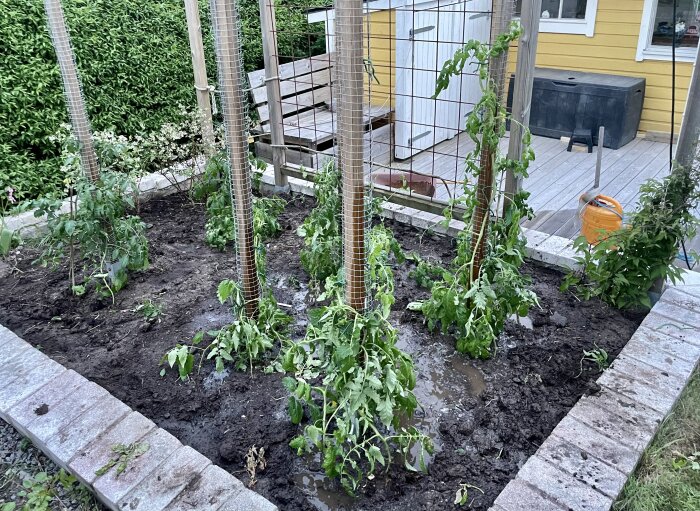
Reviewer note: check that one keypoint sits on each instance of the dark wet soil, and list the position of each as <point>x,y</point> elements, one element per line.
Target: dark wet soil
<point>486,417</point>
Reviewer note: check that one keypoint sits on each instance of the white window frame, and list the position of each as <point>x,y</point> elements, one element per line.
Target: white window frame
<point>585,26</point>
<point>647,51</point>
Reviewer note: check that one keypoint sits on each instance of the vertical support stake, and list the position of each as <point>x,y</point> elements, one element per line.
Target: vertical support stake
<point>272,81</point>
<point>686,148</point>
<point>522,91</point>
<point>229,59</point>
<point>71,85</point>
<point>201,83</point>
<point>349,83</point>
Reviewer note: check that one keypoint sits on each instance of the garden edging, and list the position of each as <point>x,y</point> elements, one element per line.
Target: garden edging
<point>76,423</point>
<point>585,462</point>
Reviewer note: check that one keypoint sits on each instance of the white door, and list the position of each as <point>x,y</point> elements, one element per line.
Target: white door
<point>425,39</point>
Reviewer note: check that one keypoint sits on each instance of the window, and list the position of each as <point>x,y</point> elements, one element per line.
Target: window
<point>566,16</point>
<point>659,31</point>
<point>559,9</point>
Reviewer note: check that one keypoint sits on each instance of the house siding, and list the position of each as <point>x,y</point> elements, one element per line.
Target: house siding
<point>611,50</point>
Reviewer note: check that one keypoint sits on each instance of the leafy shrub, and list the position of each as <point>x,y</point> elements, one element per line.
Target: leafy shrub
<point>622,268</point>
<point>220,228</point>
<point>99,225</point>
<point>134,62</point>
<point>472,305</point>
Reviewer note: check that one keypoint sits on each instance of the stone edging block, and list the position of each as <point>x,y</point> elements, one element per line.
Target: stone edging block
<point>586,460</point>
<point>77,423</point>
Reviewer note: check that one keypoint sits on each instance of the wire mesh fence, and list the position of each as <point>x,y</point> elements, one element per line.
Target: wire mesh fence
<point>72,88</point>
<point>415,145</point>
<point>412,143</point>
<point>232,87</point>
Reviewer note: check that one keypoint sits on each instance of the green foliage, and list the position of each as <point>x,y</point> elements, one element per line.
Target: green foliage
<point>321,256</point>
<point>134,62</point>
<point>598,356</point>
<point>353,380</point>
<point>242,343</point>
<point>111,241</point>
<point>474,307</point>
<point>42,491</point>
<point>425,273</point>
<point>622,268</point>
<point>666,478</point>
<point>123,454</point>
<point>220,227</point>
<point>357,387</point>
<point>150,310</point>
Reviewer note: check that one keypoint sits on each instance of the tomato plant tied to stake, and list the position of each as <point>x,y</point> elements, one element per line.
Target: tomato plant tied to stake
<point>483,286</point>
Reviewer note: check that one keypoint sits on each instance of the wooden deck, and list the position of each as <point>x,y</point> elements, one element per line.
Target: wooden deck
<point>557,177</point>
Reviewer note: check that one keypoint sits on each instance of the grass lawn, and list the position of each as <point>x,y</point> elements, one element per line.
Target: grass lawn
<point>668,477</point>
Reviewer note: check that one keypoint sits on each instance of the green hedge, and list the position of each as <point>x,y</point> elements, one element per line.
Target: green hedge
<point>134,61</point>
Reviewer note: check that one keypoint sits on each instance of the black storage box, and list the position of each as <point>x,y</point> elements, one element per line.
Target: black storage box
<point>563,101</point>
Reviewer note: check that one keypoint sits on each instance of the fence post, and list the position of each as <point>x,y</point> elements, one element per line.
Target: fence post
<point>500,19</point>
<point>349,83</point>
<point>201,83</point>
<point>272,84</point>
<point>231,84</point>
<point>71,86</point>
<point>686,147</point>
<point>522,91</point>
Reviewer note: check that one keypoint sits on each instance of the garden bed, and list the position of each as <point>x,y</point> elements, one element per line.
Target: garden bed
<point>485,417</point>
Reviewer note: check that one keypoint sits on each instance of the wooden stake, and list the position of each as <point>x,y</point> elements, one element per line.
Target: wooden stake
<point>228,50</point>
<point>686,149</point>
<point>272,83</point>
<point>522,91</point>
<point>502,14</point>
<point>71,85</point>
<point>349,84</point>
<point>201,83</point>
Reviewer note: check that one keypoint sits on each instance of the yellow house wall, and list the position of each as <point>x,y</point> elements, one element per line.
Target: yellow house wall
<point>611,50</point>
<point>380,26</point>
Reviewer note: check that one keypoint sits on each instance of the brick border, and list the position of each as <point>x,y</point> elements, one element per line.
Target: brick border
<point>75,422</point>
<point>582,466</point>
<point>587,459</point>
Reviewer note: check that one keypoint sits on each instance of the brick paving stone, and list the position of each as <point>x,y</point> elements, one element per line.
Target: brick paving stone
<point>208,492</point>
<point>626,429</point>
<point>44,400</point>
<point>583,466</point>
<point>666,326</point>
<point>519,496</point>
<point>663,381</point>
<point>130,429</point>
<point>112,487</point>
<point>21,364</point>
<point>43,427</point>
<point>562,487</point>
<point>667,343</point>
<point>637,390</point>
<point>594,443</point>
<point>247,500</point>
<point>678,314</point>
<point>10,344</point>
<point>166,482</point>
<point>28,377</point>
<point>681,299</point>
<point>68,441</point>
<point>626,407</point>
<point>640,348</point>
